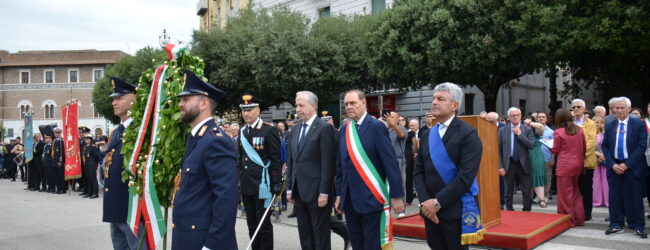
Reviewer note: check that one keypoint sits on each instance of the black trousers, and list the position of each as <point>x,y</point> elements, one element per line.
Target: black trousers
<point>585,183</point>
<point>254,211</point>
<point>51,177</point>
<point>33,175</point>
<point>42,182</point>
<point>12,170</point>
<point>445,235</point>
<point>91,181</point>
<point>60,177</point>
<point>21,167</point>
<point>410,162</point>
<point>314,223</point>
<point>83,181</point>
<point>516,173</point>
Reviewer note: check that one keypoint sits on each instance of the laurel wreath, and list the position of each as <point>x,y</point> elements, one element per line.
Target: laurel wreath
<point>172,135</point>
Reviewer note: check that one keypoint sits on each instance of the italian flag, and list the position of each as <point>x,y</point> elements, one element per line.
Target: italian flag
<point>144,204</point>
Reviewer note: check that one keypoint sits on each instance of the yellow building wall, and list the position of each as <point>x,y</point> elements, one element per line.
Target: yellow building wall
<point>217,14</point>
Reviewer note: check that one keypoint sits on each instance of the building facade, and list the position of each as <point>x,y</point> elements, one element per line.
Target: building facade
<point>42,82</point>
<point>215,13</point>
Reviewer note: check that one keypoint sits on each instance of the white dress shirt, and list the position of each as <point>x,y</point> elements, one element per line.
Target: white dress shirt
<point>442,127</point>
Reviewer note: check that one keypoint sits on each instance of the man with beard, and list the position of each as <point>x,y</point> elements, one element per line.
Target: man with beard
<point>116,192</point>
<point>205,203</point>
<point>260,170</point>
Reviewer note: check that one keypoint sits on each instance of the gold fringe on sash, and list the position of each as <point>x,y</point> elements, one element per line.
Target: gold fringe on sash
<point>388,246</point>
<point>473,238</point>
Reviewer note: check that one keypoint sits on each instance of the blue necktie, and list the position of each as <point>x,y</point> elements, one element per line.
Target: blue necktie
<point>302,135</point>
<point>621,142</point>
<point>515,148</point>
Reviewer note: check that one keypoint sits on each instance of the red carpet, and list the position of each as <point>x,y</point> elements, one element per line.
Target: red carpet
<point>520,230</point>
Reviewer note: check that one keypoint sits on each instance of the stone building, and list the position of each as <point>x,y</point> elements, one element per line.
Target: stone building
<point>41,82</point>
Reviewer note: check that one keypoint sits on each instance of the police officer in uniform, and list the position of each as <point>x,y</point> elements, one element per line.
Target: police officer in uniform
<point>91,160</point>
<point>83,181</point>
<point>263,142</point>
<point>58,157</point>
<point>116,192</point>
<point>49,169</point>
<point>205,202</point>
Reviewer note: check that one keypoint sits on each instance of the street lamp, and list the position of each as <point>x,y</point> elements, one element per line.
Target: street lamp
<point>164,39</point>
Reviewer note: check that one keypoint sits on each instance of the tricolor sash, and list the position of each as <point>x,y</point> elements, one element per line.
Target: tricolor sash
<point>378,187</point>
<point>264,193</point>
<point>473,230</point>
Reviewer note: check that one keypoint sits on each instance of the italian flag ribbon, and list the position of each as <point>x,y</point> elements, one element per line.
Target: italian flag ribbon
<point>373,181</point>
<point>174,51</point>
<point>148,206</point>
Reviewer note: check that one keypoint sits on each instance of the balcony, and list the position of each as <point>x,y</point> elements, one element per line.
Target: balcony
<point>201,7</point>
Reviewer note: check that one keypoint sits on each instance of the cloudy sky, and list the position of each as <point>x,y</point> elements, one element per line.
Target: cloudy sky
<point>125,25</point>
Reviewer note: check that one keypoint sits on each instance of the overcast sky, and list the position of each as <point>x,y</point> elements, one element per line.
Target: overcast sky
<point>125,25</point>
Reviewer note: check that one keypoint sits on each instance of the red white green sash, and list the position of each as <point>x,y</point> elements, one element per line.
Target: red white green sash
<point>373,181</point>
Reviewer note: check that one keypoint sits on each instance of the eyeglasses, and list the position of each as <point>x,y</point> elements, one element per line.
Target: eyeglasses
<point>576,107</point>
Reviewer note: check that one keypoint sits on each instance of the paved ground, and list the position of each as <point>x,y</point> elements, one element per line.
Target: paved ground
<point>34,220</point>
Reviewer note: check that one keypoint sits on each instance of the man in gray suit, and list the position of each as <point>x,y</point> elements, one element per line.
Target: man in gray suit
<point>311,165</point>
<point>514,161</point>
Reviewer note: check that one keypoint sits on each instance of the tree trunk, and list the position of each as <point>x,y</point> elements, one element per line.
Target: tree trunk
<point>551,73</point>
<point>490,93</point>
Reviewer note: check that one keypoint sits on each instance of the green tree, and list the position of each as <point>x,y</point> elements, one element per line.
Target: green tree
<point>609,43</point>
<point>128,68</point>
<point>483,43</point>
<point>274,53</point>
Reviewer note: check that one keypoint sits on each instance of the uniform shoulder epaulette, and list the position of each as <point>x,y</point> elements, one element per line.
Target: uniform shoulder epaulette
<point>202,131</point>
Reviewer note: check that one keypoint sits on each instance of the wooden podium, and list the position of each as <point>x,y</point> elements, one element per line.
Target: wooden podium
<point>488,173</point>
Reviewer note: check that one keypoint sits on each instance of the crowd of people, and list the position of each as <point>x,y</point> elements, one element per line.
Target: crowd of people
<point>584,159</point>
<point>44,172</point>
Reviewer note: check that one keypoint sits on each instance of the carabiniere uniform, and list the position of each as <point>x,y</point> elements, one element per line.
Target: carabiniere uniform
<point>58,156</point>
<point>265,140</point>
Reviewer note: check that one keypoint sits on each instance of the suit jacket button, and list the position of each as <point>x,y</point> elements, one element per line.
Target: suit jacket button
<point>187,170</point>
<point>245,167</point>
<point>193,227</point>
<point>245,158</point>
<point>105,189</point>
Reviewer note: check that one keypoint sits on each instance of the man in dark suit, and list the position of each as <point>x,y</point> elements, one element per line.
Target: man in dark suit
<point>361,193</point>
<point>624,145</point>
<point>514,160</point>
<point>258,141</point>
<point>36,164</point>
<point>205,205</point>
<point>116,192</point>
<point>440,197</point>
<point>311,165</point>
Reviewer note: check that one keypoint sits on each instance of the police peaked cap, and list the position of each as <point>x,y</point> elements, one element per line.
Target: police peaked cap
<point>195,86</point>
<point>121,87</point>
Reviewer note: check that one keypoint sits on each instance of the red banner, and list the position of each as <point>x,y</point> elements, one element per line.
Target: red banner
<point>71,140</point>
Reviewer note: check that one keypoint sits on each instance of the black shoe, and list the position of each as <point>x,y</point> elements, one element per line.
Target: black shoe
<point>640,234</point>
<point>607,218</point>
<point>42,190</point>
<point>284,207</point>
<point>613,230</point>
<point>93,197</point>
<point>83,194</point>
<point>292,214</point>
<point>86,196</point>
<point>587,218</point>
<point>61,192</point>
